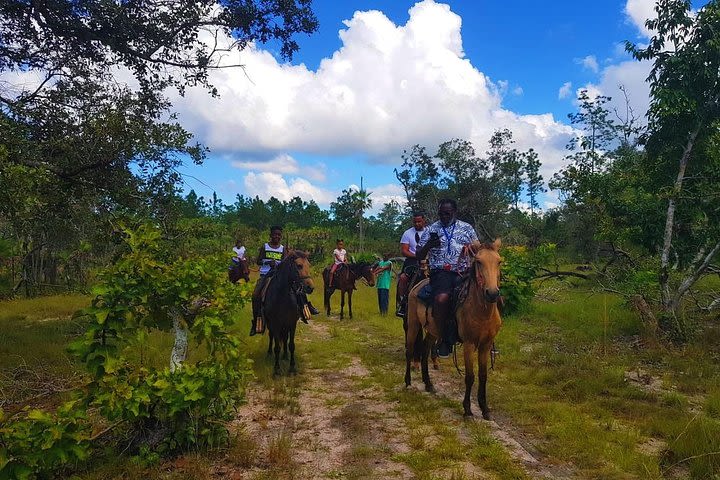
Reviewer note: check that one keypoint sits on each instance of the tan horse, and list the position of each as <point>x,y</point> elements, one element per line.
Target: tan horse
<point>478,321</point>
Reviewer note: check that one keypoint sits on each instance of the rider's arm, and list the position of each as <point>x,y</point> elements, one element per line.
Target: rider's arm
<point>405,250</point>
<point>260,256</point>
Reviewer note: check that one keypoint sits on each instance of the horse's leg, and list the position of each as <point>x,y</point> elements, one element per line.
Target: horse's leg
<point>483,356</point>
<point>285,350</point>
<point>350,304</point>
<point>270,343</point>
<point>412,331</point>
<point>468,351</point>
<point>276,369</point>
<point>327,301</point>
<point>427,345</point>
<point>342,303</point>
<point>292,370</point>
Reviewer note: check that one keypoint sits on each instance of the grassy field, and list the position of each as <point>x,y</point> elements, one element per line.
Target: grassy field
<point>575,384</point>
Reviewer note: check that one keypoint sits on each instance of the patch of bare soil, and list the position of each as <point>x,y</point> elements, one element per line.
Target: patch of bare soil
<point>332,425</point>
<point>333,429</point>
<point>449,384</point>
<point>644,381</point>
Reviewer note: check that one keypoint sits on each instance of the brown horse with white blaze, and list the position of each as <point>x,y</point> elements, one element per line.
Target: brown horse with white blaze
<point>478,320</point>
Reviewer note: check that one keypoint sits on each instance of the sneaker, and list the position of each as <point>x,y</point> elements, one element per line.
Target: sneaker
<point>252,330</point>
<point>313,310</point>
<point>400,312</point>
<point>444,350</point>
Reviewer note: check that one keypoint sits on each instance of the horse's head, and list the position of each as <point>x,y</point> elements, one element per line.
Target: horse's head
<point>239,271</point>
<point>486,268</point>
<point>368,274</point>
<point>244,270</point>
<point>302,267</point>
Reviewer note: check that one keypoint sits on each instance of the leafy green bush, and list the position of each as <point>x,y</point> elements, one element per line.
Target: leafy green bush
<point>147,289</point>
<point>39,442</point>
<point>150,287</point>
<point>520,266</point>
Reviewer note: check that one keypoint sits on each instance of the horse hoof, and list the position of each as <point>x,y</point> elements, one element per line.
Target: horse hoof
<point>292,372</point>
<point>468,414</point>
<point>486,415</point>
<point>429,388</point>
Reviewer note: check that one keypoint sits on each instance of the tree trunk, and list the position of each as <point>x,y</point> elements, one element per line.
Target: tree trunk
<point>667,299</point>
<point>695,271</point>
<point>180,348</point>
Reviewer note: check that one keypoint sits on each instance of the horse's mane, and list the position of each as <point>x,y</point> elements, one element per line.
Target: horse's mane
<point>358,267</point>
<point>285,271</point>
<point>477,245</point>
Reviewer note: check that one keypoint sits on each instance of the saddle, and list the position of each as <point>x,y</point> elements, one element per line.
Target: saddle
<point>458,295</point>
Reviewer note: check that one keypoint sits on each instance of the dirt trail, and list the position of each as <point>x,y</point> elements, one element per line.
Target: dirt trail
<point>333,423</point>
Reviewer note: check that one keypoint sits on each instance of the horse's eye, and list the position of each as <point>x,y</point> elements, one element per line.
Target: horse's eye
<point>299,267</point>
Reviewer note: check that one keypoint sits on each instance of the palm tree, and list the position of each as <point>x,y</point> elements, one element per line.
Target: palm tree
<point>361,201</point>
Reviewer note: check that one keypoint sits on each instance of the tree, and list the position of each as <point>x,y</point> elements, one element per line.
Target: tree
<point>684,125</point>
<point>534,179</point>
<point>161,43</point>
<point>93,146</point>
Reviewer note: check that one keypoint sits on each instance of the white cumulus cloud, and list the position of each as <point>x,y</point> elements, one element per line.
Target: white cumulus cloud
<point>283,164</point>
<point>638,12</point>
<point>386,88</point>
<point>270,184</point>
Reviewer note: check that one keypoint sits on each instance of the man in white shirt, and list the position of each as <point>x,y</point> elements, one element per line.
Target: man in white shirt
<point>408,245</point>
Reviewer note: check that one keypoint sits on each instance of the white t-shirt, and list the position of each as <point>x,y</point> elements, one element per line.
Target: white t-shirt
<point>409,238</point>
<point>239,252</point>
<point>339,256</point>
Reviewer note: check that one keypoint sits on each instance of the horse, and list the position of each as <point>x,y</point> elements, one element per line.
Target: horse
<point>344,281</point>
<point>239,271</point>
<point>417,275</point>
<point>478,320</point>
<point>280,306</point>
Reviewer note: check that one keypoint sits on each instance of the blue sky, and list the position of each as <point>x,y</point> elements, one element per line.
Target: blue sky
<point>381,76</point>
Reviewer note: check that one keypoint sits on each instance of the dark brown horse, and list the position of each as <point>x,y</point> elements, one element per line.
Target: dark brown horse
<point>239,271</point>
<point>280,307</point>
<point>477,317</point>
<point>344,280</point>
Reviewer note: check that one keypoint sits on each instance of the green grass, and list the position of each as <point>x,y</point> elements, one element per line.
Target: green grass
<point>559,380</point>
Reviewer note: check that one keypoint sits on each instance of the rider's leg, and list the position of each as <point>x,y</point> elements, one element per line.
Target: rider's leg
<point>256,304</point>
<point>401,295</point>
<point>332,274</point>
<point>441,313</point>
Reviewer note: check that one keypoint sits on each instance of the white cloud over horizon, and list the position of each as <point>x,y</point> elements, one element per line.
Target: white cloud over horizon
<point>386,88</point>
<point>283,164</point>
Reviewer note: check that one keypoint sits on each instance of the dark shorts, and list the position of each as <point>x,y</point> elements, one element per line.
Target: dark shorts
<point>410,266</point>
<point>443,281</point>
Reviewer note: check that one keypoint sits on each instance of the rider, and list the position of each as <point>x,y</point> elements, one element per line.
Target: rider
<point>444,240</point>
<point>269,256</point>
<point>408,245</point>
<point>238,251</point>
<point>340,257</point>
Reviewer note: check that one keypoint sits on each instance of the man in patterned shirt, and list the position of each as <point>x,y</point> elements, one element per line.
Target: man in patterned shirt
<point>444,241</point>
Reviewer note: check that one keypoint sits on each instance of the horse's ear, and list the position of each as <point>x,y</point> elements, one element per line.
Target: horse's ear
<point>497,244</point>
